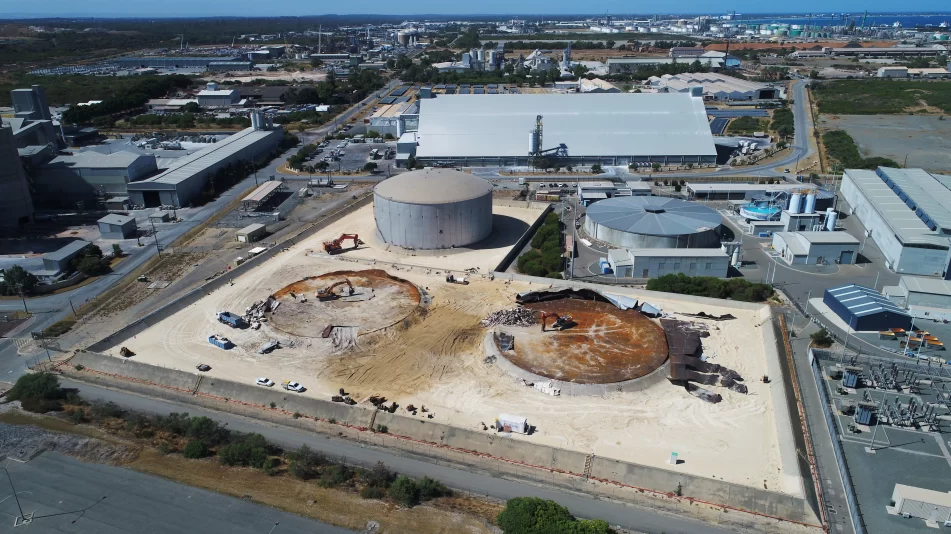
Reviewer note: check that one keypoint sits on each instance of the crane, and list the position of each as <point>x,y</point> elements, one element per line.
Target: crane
<point>562,322</point>
<point>327,293</point>
<point>336,245</point>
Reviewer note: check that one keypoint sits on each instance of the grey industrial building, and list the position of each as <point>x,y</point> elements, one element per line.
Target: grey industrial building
<point>580,129</point>
<point>115,226</point>
<point>653,222</point>
<point>163,62</point>
<point>718,87</point>
<point>433,209</point>
<point>654,262</point>
<point>864,309</point>
<point>920,292</point>
<point>626,65</point>
<point>88,174</point>
<point>181,184</point>
<point>32,122</point>
<point>213,97</point>
<point>906,212</point>
<point>56,263</point>
<point>16,205</point>
<point>812,248</point>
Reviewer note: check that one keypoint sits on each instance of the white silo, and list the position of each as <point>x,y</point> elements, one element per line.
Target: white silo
<point>533,142</point>
<point>254,120</point>
<point>810,203</point>
<point>481,55</point>
<point>794,202</point>
<point>736,258</point>
<point>831,218</point>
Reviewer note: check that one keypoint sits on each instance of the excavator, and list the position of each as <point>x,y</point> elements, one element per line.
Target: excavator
<point>327,293</point>
<point>562,322</point>
<point>336,245</point>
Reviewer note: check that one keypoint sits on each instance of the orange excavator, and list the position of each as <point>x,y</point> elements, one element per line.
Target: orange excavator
<point>336,245</point>
<point>327,293</point>
<point>562,322</point>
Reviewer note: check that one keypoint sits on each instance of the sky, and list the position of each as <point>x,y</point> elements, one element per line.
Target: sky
<point>195,8</point>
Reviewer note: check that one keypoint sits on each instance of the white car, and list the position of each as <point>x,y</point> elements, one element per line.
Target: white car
<point>293,386</point>
<point>264,382</point>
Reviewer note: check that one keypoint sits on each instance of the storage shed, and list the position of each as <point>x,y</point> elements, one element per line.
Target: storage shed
<point>813,248</point>
<point>865,309</point>
<point>512,423</point>
<point>922,503</point>
<point>114,226</point>
<point>251,233</point>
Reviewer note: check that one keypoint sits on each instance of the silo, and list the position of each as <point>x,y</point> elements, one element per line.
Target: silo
<point>653,222</point>
<point>810,203</point>
<point>831,218</point>
<point>795,200</point>
<point>533,142</point>
<point>255,122</point>
<point>433,209</point>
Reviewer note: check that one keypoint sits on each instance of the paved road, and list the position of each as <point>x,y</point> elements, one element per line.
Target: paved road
<point>134,502</point>
<point>615,513</point>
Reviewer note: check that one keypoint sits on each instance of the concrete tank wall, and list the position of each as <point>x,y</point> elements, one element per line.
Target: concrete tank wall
<point>433,226</point>
<point>705,239</point>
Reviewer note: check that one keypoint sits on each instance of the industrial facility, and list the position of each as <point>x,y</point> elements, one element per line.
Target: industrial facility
<point>578,129</point>
<point>433,209</point>
<point>653,222</point>
<point>865,310</point>
<point>921,295</point>
<point>181,184</point>
<point>717,87</point>
<point>654,262</point>
<point>812,248</point>
<point>906,212</point>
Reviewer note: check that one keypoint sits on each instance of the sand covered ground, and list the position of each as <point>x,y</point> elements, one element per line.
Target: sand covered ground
<point>434,357</point>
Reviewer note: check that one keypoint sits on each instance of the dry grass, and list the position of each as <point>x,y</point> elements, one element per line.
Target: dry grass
<point>337,507</point>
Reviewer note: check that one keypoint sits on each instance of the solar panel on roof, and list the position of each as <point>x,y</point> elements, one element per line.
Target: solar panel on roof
<point>401,99</point>
<point>478,91</point>
<point>464,91</point>
<point>493,91</point>
<point>450,87</point>
<point>440,87</point>
<point>464,85</point>
<point>388,100</point>
<point>493,86</point>
<point>450,91</point>
<point>478,86</point>
<point>399,91</point>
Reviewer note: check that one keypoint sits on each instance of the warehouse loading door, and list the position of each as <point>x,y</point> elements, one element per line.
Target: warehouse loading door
<point>151,199</point>
<point>845,258</point>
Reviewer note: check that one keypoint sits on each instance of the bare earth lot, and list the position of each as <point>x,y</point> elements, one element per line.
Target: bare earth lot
<point>434,357</point>
<point>925,139</point>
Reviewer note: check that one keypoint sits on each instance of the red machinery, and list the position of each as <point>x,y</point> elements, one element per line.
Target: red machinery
<point>562,322</point>
<point>327,293</point>
<point>337,244</point>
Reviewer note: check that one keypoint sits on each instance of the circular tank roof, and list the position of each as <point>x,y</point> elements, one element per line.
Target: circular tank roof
<point>432,186</point>
<point>657,216</point>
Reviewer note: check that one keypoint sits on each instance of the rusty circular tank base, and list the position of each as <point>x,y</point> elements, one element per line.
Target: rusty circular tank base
<point>607,345</point>
<point>378,301</point>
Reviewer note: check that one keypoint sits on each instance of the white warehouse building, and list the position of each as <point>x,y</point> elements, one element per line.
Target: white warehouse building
<point>813,248</point>
<point>717,87</point>
<point>654,262</point>
<point>906,212</point>
<point>577,129</point>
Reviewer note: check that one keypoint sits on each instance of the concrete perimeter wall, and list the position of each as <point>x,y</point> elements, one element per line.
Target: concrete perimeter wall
<point>505,454</point>
<point>525,238</point>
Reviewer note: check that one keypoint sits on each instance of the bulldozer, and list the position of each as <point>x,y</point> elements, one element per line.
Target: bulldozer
<point>327,293</point>
<point>335,246</point>
<point>562,322</point>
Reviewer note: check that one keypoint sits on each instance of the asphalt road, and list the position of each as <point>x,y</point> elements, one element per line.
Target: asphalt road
<point>615,513</point>
<point>52,484</point>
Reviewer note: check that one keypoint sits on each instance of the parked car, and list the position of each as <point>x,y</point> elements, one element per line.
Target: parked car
<point>293,386</point>
<point>202,367</point>
<point>263,381</point>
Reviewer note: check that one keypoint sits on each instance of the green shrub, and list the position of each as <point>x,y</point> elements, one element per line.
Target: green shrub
<point>247,450</point>
<point>708,286</point>
<point>37,392</point>
<point>207,430</point>
<point>378,477</point>
<point>336,475</point>
<point>78,416</point>
<point>821,338</point>
<point>196,449</point>
<point>305,463</point>
<point>404,491</point>
<point>841,147</point>
<point>432,489</point>
<point>58,328</point>
<point>382,429</point>
<point>531,515</point>
<point>107,410</point>
<point>296,415</point>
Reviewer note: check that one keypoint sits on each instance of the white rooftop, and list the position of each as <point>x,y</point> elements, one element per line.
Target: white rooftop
<point>738,188</point>
<point>712,83</point>
<point>678,252</point>
<point>614,124</point>
<point>926,284</point>
<point>219,92</point>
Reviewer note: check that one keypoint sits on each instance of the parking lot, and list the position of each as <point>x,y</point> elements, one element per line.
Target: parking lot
<point>924,140</point>
<point>353,156</point>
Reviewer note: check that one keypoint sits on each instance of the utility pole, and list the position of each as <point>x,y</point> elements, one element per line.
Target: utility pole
<point>20,290</point>
<point>155,235</point>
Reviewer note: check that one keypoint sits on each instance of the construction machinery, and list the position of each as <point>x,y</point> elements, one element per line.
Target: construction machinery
<point>451,279</point>
<point>327,293</point>
<point>562,322</point>
<point>335,246</point>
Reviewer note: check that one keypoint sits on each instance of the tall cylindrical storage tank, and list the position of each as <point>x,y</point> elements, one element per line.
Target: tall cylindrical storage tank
<point>433,209</point>
<point>653,222</point>
<point>481,55</point>
<point>810,203</point>
<point>255,123</point>
<point>795,200</point>
<point>831,218</point>
<point>533,142</point>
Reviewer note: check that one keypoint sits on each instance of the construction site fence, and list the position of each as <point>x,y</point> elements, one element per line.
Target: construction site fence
<point>484,449</point>
<point>207,288</point>
<point>814,356</point>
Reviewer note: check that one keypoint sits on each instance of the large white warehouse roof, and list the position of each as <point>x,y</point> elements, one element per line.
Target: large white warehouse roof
<point>625,124</point>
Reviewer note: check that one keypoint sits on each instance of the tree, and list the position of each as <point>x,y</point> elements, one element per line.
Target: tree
<point>37,392</point>
<point>370,167</point>
<point>531,515</point>
<point>821,338</point>
<point>17,280</point>
<point>411,162</point>
<point>116,250</point>
<point>195,449</point>
<point>316,62</point>
<point>89,265</point>
<point>655,166</point>
<point>596,169</point>
<point>814,74</point>
<point>191,107</point>
<point>321,166</point>
<point>305,463</point>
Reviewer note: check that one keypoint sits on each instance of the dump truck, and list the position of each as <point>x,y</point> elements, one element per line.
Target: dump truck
<point>562,322</point>
<point>450,278</point>
<point>230,319</point>
<point>220,341</point>
<point>327,293</point>
<point>336,245</point>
